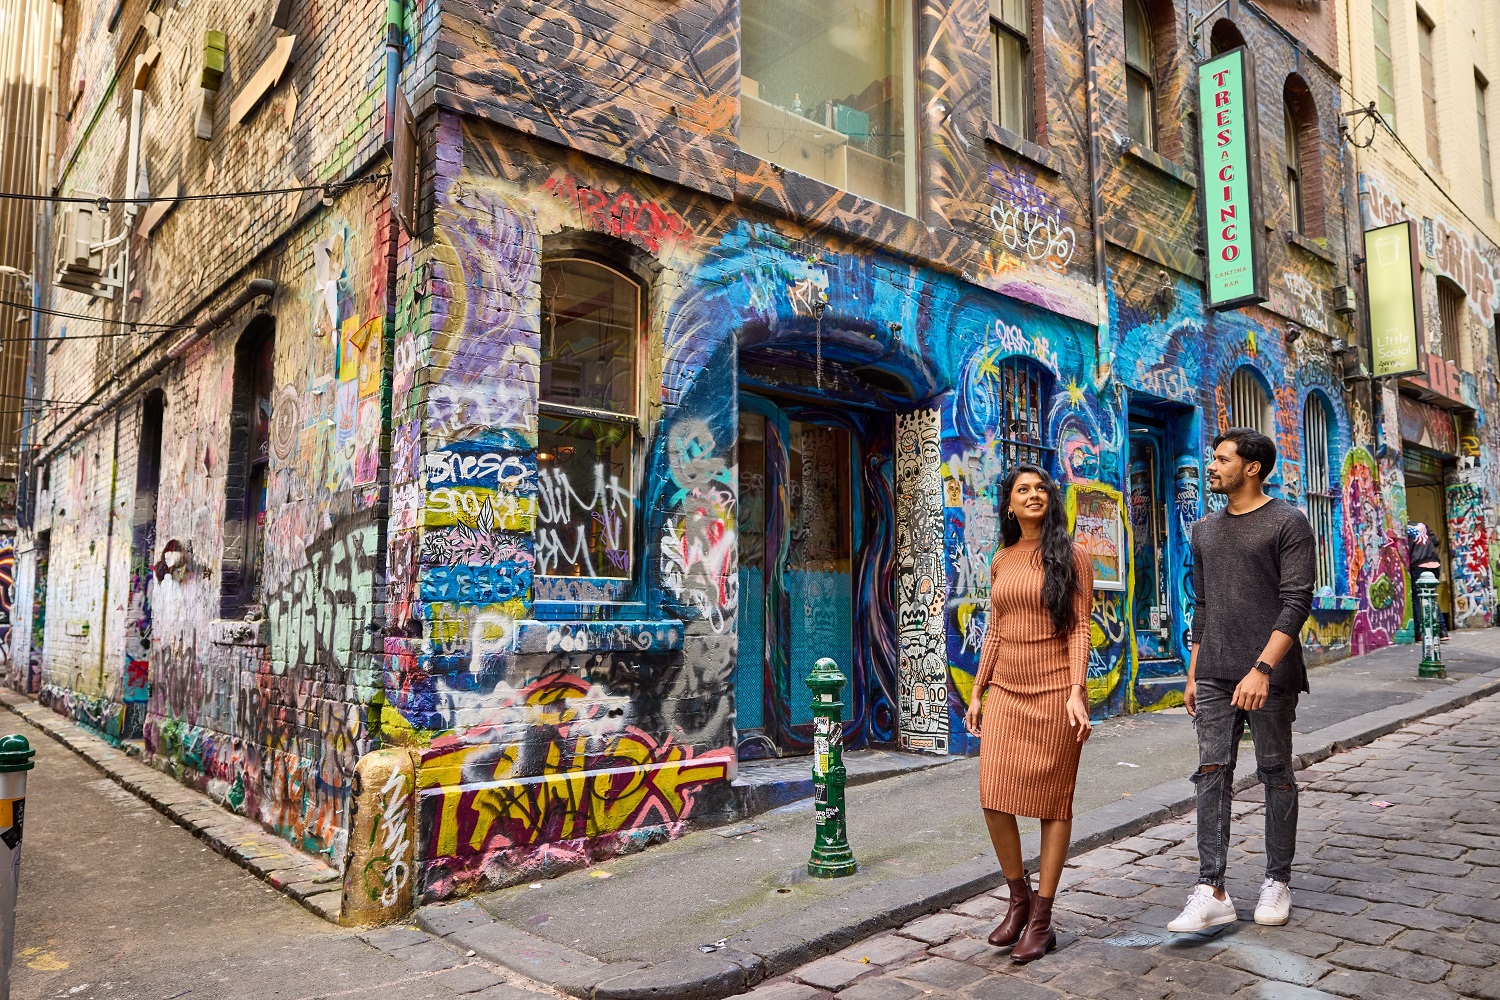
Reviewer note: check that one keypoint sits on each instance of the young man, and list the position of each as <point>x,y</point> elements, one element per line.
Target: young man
<point>1253,579</point>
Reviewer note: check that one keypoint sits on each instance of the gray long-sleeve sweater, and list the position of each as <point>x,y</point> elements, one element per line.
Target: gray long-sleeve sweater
<point>1252,575</point>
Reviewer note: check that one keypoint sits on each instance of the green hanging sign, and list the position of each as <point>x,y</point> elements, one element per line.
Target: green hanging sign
<point>1394,291</point>
<point>1231,181</point>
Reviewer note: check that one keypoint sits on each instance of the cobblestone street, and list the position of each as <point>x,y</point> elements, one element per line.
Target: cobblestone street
<point>1395,894</point>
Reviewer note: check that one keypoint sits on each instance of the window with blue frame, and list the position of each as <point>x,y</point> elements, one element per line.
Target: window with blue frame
<point>1322,498</point>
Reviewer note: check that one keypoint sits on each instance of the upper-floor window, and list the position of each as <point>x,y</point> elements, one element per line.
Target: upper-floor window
<point>1322,499</point>
<point>1451,319</point>
<point>1482,111</point>
<point>1140,74</point>
<point>1425,30</point>
<point>1010,65</point>
<point>588,419</point>
<point>248,477</point>
<point>1293,168</point>
<point>1304,157</point>
<point>1385,68</point>
<point>1225,36</point>
<point>827,90</point>
<point>1250,404</point>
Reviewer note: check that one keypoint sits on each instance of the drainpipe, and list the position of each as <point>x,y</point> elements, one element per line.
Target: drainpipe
<point>109,549</point>
<point>393,22</point>
<point>1103,348</point>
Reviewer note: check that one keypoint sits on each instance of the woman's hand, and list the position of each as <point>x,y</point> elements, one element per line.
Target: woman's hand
<point>1078,713</point>
<point>971,717</point>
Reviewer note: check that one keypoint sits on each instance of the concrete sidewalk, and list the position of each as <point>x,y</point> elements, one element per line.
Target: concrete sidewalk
<point>719,910</point>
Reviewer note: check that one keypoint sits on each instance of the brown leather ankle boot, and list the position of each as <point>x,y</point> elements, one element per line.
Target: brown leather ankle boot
<point>1016,915</point>
<point>1038,938</point>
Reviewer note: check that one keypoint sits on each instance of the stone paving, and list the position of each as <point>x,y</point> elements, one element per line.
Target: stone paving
<point>1396,893</point>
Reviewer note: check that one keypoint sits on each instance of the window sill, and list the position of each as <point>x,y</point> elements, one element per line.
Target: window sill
<point>239,632</point>
<point>1160,164</point>
<point>598,636</point>
<point>1335,602</point>
<point>1309,245</point>
<point>1027,150</point>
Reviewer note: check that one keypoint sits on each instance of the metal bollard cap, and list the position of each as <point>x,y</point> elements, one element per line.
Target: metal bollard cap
<point>16,754</point>
<point>826,678</point>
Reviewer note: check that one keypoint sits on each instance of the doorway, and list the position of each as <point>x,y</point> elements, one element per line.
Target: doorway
<point>136,688</point>
<point>1427,504</point>
<point>1163,500</point>
<point>801,540</point>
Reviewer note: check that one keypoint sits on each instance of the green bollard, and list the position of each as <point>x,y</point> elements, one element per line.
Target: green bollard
<point>1427,608</point>
<point>15,761</point>
<point>831,856</point>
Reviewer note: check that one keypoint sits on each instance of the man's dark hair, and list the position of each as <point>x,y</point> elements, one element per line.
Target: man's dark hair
<point>1252,446</point>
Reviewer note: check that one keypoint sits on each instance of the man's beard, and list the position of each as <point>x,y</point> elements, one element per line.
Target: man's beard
<point>1223,485</point>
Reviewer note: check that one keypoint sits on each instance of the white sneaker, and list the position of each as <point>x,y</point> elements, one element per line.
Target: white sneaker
<point>1275,906</point>
<point>1203,910</point>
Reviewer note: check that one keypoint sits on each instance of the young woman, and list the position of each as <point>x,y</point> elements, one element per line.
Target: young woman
<point>1033,666</point>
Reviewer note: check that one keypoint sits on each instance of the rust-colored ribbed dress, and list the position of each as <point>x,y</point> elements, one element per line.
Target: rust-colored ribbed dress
<point>1028,754</point>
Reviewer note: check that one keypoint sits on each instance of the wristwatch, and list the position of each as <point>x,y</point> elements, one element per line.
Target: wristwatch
<point>1263,667</point>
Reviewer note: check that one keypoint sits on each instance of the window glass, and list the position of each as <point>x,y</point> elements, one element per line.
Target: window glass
<point>1139,78</point>
<point>1139,101</point>
<point>590,326</point>
<point>827,91</point>
<point>1293,167</point>
<point>586,432</point>
<point>1481,106</point>
<point>1385,74</point>
<point>1137,37</point>
<point>1429,91</point>
<point>1010,32</point>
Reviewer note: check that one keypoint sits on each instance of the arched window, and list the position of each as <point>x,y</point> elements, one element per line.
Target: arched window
<point>588,411</point>
<point>1322,497</point>
<point>1250,404</point>
<point>1225,36</point>
<point>1140,74</point>
<point>1304,158</point>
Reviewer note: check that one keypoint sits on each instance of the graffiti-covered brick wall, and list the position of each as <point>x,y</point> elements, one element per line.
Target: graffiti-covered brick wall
<point>137,617</point>
<point>1436,446</point>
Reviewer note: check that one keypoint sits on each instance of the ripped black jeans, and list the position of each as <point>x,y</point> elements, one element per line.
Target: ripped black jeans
<point>1220,725</point>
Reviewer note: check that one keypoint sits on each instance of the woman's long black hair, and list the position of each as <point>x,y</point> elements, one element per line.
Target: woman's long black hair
<point>1059,572</point>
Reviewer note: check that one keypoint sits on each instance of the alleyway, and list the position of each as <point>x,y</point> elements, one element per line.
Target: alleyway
<point>1396,894</point>
<point>117,901</point>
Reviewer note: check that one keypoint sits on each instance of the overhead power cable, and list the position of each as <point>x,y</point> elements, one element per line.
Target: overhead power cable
<point>104,202</point>
<point>94,319</point>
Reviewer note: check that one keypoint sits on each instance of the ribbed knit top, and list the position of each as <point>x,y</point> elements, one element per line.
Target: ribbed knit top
<point>1021,651</point>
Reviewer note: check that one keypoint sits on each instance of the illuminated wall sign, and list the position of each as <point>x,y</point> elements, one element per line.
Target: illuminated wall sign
<point>1231,181</point>
<point>1394,291</point>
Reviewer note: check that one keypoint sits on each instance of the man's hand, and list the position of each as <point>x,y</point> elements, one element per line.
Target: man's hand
<point>1250,693</point>
<point>971,717</point>
<point>1078,714</point>
<point>1190,696</point>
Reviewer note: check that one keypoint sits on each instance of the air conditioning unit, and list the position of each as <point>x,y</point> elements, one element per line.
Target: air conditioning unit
<point>82,231</point>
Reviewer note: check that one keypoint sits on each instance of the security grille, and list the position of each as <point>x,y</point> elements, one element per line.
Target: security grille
<point>1249,405</point>
<point>1321,499</point>
<point>1023,394</point>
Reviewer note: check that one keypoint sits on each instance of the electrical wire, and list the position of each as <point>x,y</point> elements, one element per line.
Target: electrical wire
<point>93,319</point>
<point>104,202</point>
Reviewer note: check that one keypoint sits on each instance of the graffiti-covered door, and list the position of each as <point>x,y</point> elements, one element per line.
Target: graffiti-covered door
<point>1152,613</point>
<point>799,515</point>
